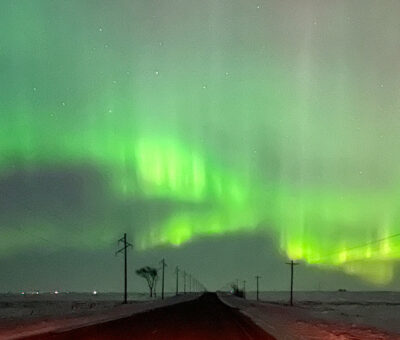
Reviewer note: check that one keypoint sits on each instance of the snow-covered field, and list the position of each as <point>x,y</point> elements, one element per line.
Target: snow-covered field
<point>335,297</point>
<point>31,305</point>
<point>23,315</point>
<point>316,315</point>
<point>325,315</point>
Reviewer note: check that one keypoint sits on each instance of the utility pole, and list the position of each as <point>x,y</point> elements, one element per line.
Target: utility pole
<point>257,278</point>
<point>184,282</point>
<point>244,288</point>
<point>190,283</point>
<point>177,279</point>
<point>162,281</point>
<point>292,264</point>
<point>124,249</point>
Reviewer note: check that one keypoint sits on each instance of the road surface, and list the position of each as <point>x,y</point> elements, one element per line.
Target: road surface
<point>205,318</point>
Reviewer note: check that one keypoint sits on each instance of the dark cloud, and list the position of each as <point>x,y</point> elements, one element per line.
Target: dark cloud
<point>74,202</point>
<point>51,193</point>
<point>215,261</point>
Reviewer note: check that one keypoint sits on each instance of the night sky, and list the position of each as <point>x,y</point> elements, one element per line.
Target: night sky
<point>226,135</point>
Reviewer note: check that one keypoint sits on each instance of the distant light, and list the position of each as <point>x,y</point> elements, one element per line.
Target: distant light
<point>37,293</point>
<point>95,292</point>
<point>22,293</point>
<point>56,292</point>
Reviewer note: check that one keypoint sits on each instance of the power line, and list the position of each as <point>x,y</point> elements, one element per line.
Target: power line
<point>292,264</point>
<point>257,279</point>
<point>124,250</point>
<point>163,270</point>
<point>189,281</point>
<point>177,280</point>
<point>358,246</point>
<point>184,282</point>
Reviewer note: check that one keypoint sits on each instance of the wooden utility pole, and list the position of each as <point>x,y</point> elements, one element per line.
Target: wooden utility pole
<point>184,282</point>
<point>162,279</point>
<point>124,250</point>
<point>257,278</point>
<point>292,264</point>
<point>177,279</point>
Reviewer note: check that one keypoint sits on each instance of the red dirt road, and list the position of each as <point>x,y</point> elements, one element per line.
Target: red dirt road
<point>205,318</point>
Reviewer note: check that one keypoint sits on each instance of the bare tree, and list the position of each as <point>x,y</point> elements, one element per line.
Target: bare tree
<point>151,275</point>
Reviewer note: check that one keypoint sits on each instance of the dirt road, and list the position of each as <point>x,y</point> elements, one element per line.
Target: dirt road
<point>201,319</point>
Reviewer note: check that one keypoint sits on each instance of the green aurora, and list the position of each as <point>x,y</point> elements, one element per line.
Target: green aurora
<point>244,115</point>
